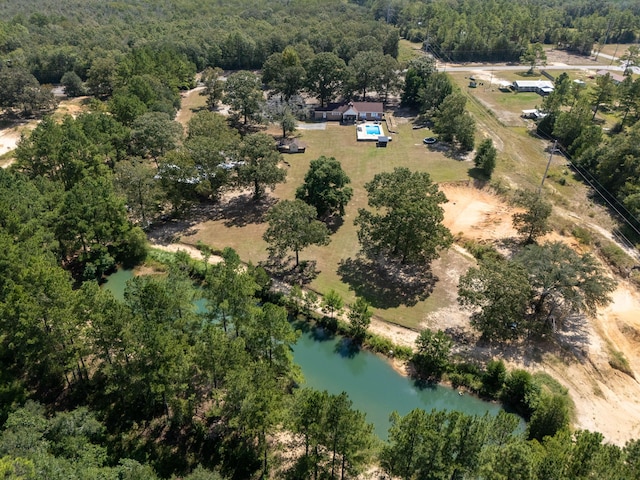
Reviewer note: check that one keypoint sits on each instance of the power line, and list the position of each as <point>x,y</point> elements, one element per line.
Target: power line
<point>609,198</point>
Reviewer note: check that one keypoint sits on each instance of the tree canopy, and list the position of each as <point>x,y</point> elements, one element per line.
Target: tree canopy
<point>534,292</point>
<point>406,220</point>
<point>326,187</point>
<point>293,226</point>
<point>534,221</point>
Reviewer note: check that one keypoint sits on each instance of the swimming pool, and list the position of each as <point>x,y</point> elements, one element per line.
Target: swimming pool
<point>372,129</point>
<point>369,132</point>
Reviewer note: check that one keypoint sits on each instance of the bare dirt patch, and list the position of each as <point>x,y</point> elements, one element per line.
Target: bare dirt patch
<point>8,141</point>
<point>10,136</point>
<point>478,214</point>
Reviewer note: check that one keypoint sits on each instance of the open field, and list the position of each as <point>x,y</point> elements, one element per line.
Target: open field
<point>191,103</point>
<point>615,49</point>
<point>361,161</point>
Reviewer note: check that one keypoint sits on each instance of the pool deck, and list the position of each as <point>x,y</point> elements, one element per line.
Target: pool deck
<point>365,133</point>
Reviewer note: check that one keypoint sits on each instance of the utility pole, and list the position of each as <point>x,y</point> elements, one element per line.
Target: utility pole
<point>546,170</point>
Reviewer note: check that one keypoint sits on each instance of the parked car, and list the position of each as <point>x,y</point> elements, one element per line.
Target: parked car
<point>429,140</point>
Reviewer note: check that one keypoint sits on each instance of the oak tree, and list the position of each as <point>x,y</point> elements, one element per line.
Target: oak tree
<point>563,282</point>
<point>498,293</point>
<point>325,76</point>
<point>326,187</point>
<point>243,93</point>
<point>533,222</point>
<point>293,226</point>
<point>406,223</point>
<point>258,164</point>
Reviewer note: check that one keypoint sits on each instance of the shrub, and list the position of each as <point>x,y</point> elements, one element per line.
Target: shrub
<point>433,350</point>
<point>551,414</point>
<point>482,251</point>
<point>616,257</point>
<point>493,378</point>
<point>583,235</point>
<point>379,344</point>
<point>619,362</point>
<point>468,380</point>
<point>521,392</point>
<point>385,346</point>
<point>133,249</point>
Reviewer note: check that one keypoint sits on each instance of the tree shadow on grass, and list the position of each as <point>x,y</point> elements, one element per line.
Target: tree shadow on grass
<point>389,285</point>
<point>284,269</point>
<point>243,210</point>
<point>479,176</point>
<point>333,223</point>
<point>237,211</point>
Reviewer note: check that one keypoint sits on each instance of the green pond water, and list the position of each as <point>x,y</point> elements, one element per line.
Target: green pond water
<point>372,384</point>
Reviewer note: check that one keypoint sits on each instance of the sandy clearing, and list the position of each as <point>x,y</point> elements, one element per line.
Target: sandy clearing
<point>478,214</point>
<point>8,139</point>
<point>607,400</point>
<point>191,251</point>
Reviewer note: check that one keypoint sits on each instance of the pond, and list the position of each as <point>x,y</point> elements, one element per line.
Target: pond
<point>372,384</point>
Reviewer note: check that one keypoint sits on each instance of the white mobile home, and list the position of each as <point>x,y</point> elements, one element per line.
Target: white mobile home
<point>541,87</point>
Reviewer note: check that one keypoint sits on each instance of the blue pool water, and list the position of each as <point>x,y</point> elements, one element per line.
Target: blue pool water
<point>373,130</point>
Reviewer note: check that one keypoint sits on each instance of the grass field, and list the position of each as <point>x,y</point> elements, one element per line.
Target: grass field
<point>361,161</point>
<point>407,50</point>
<point>617,50</point>
<point>521,163</point>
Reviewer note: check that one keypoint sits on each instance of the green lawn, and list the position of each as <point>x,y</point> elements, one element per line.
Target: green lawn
<point>521,162</point>
<point>361,161</point>
<point>408,50</point>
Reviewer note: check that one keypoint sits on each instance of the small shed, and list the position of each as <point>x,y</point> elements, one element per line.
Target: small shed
<point>383,141</point>
<point>292,146</point>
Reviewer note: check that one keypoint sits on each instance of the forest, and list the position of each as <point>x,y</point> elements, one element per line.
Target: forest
<point>144,386</point>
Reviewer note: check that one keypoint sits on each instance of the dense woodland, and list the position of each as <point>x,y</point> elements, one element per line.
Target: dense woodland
<point>141,387</point>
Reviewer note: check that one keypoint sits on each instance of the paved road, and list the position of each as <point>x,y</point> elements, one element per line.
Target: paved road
<point>490,66</point>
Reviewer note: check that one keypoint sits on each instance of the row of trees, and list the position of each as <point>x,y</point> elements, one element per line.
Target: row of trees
<point>500,30</point>
<point>454,445</point>
<point>326,75</point>
<point>244,35</point>
<point>142,162</point>
<point>432,94</point>
<point>572,120</point>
